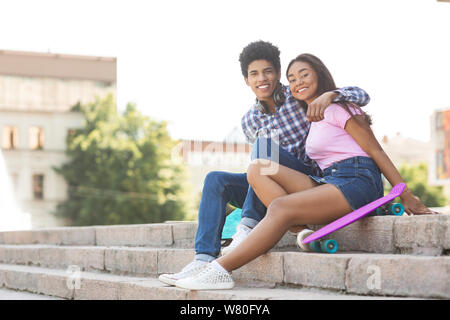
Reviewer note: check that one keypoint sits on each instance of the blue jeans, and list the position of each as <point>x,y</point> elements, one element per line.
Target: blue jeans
<point>220,187</point>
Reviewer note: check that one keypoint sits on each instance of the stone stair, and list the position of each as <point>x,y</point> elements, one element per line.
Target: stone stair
<point>379,258</point>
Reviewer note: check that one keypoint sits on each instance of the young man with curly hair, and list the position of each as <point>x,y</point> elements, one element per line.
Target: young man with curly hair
<point>277,127</point>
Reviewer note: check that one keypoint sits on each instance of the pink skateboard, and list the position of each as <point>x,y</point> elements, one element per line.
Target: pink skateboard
<point>355,215</point>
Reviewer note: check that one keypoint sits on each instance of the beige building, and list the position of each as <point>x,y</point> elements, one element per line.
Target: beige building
<point>402,150</point>
<point>440,143</point>
<point>37,91</point>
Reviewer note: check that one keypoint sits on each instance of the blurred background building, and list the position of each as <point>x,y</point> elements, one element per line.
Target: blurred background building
<point>37,92</point>
<point>440,149</point>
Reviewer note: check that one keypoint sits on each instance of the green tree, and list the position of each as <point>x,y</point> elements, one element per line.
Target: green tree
<point>416,177</point>
<point>120,169</point>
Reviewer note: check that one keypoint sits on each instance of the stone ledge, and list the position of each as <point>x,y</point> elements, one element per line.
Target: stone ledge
<point>399,276</point>
<point>94,286</point>
<point>402,275</point>
<point>424,235</point>
<point>427,235</point>
<point>419,235</point>
<point>146,235</point>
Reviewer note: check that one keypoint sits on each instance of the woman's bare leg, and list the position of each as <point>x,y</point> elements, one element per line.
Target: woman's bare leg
<point>280,183</point>
<point>283,181</point>
<point>318,205</point>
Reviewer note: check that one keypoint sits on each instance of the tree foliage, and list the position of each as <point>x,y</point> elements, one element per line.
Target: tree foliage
<point>120,169</point>
<point>416,178</point>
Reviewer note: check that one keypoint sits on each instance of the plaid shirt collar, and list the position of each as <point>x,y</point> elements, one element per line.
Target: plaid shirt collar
<point>289,125</point>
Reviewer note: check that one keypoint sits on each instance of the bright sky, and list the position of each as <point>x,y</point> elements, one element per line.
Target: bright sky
<point>178,60</point>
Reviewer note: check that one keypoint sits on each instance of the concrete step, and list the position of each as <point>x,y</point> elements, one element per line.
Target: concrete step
<point>95,286</point>
<point>420,235</point>
<point>352,273</point>
<point>8,294</point>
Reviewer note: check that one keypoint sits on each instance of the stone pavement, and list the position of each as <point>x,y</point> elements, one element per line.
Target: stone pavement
<point>6,294</point>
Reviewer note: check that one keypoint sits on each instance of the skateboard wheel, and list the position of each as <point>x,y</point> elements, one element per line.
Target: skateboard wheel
<point>380,212</point>
<point>315,246</point>
<point>329,246</point>
<point>397,209</point>
<point>302,235</point>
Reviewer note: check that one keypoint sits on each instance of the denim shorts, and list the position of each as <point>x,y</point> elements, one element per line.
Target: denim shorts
<point>358,178</point>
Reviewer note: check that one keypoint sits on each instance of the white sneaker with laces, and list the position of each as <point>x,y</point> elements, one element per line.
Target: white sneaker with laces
<point>208,279</point>
<point>189,270</point>
<point>242,231</point>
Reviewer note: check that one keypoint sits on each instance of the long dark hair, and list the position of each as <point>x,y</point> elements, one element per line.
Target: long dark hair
<point>325,83</point>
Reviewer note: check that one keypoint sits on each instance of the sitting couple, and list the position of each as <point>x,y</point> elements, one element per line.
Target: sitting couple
<point>319,170</point>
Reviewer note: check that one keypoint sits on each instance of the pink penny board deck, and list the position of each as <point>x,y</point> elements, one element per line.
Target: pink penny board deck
<point>355,215</point>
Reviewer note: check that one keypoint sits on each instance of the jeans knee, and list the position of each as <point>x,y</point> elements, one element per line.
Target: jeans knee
<point>214,179</point>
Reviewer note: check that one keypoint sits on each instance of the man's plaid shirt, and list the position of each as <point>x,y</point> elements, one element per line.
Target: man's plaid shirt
<point>289,126</point>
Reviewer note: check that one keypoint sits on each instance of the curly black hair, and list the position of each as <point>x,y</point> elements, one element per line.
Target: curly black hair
<point>259,50</point>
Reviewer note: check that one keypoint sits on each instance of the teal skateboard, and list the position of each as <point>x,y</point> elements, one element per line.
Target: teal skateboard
<point>356,215</point>
<point>389,209</point>
<point>229,228</point>
<point>381,206</point>
<point>321,245</point>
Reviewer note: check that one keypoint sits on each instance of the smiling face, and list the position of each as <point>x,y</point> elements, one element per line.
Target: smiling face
<point>303,81</point>
<point>262,79</point>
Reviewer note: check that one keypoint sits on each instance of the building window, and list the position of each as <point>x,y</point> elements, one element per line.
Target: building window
<point>9,137</point>
<point>38,186</point>
<point>36,138</point>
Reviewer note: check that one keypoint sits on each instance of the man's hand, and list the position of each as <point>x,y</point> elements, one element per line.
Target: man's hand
<point>316,109</point>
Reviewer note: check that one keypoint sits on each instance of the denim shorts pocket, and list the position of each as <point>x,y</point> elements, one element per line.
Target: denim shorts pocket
<point>342,171</point>
<point>371,176</point>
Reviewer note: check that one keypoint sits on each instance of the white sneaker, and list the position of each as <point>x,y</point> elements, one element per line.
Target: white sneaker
<point>208,279</point>
<point>189,270</point>
<point>242,232</point>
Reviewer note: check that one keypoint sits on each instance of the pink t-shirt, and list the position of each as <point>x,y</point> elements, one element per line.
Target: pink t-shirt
<point>328,142</point>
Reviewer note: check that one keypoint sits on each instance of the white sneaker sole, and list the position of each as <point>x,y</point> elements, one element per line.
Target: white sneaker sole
<point>167,280</point>
<point>191,286</point>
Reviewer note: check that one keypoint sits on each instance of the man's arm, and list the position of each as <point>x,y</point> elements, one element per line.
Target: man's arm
<point>247,128</point>
<point>352,94</point>
<point>347,94</point>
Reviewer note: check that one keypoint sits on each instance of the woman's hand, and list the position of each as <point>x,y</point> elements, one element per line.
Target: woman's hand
<point>413,205</point>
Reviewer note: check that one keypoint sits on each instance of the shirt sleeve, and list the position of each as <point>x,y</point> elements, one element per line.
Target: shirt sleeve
<point>337,115</point>
<point>352,94</point>
<point>247,128</point>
